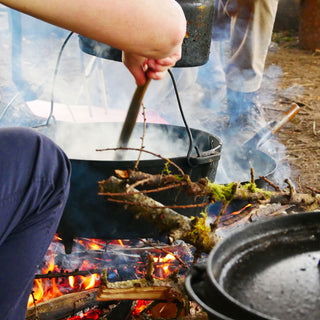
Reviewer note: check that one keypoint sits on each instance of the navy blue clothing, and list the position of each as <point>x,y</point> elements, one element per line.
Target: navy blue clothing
<point>34,186</point>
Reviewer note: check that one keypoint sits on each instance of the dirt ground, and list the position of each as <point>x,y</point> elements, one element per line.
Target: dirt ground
<point>297,80</point>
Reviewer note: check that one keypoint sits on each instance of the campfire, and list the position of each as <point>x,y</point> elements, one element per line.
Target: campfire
<point>69,286</point>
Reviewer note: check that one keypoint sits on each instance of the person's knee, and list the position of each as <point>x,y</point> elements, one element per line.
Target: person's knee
<point>28,155</point>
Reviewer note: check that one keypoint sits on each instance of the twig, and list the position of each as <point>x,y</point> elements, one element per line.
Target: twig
<point>217,192</point>
<point>291,189</point>
<point>146,151</point>
<point>314,190</point>
<point>217,220</point>
<point>299,184</point>
<point>167,220</point>
<point>277,188</point>
<point>314,128</point>
<point>159,206</point>
<point>178,185</point>
<point>252,175</point>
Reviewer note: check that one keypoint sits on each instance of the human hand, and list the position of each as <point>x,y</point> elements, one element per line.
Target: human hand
<point>142,68</point>
<point>157,68</point>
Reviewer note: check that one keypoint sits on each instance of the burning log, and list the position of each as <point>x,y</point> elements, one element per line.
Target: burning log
<point>167,295</point>
<point>147,288</point>
<point>138,291</point>
<point>63,306</point>
<point>66,274</point>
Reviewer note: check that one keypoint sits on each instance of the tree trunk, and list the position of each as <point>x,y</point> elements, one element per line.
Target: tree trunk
<point>309,33</point>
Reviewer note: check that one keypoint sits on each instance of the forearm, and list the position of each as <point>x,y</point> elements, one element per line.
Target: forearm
<point>150,28</point>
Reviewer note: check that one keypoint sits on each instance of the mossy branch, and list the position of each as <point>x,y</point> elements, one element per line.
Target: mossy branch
<point>193,230</point>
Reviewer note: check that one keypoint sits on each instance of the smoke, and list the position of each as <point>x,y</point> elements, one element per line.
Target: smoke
<point>92,89</point>
<point>84,141</point>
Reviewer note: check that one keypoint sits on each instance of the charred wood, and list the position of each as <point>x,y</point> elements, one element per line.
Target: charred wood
<point>66,274</point>
<point>121,311</point>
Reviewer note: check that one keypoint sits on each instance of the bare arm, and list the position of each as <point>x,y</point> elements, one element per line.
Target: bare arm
<point>152,29</point>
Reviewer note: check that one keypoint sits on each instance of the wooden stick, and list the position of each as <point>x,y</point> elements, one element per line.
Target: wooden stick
<point>137,293</point>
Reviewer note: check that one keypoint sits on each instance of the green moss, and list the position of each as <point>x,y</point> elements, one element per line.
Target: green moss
<point>166,169</point>
<point>222,192</point>
<point>200,231</point>
<point>252,187</point>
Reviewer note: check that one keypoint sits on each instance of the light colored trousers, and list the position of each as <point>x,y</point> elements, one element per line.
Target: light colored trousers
<point>250,31</point>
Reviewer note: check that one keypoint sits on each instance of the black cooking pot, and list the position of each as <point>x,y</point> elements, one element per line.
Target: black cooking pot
<point>89,215</point>
<point>196,44</point>
<point>269,270</point>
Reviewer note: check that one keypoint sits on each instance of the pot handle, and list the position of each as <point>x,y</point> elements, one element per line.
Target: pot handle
<point>201,158</point>
<point>191,144</point>
<point>206,156</point>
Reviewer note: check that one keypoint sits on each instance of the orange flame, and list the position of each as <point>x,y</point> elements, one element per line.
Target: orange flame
<point>141,304</point>
<point>45,289</point>
<point>37,292</point>
<point>88,282</point>
<point>71,281</point>
<point>165,262</point>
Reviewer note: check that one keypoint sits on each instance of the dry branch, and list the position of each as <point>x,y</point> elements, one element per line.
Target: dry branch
<point>213,191</point>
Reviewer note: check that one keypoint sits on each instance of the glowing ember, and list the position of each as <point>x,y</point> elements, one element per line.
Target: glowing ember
<point>242,209</point>
<point>90,315</point>
<point>140,306</point>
